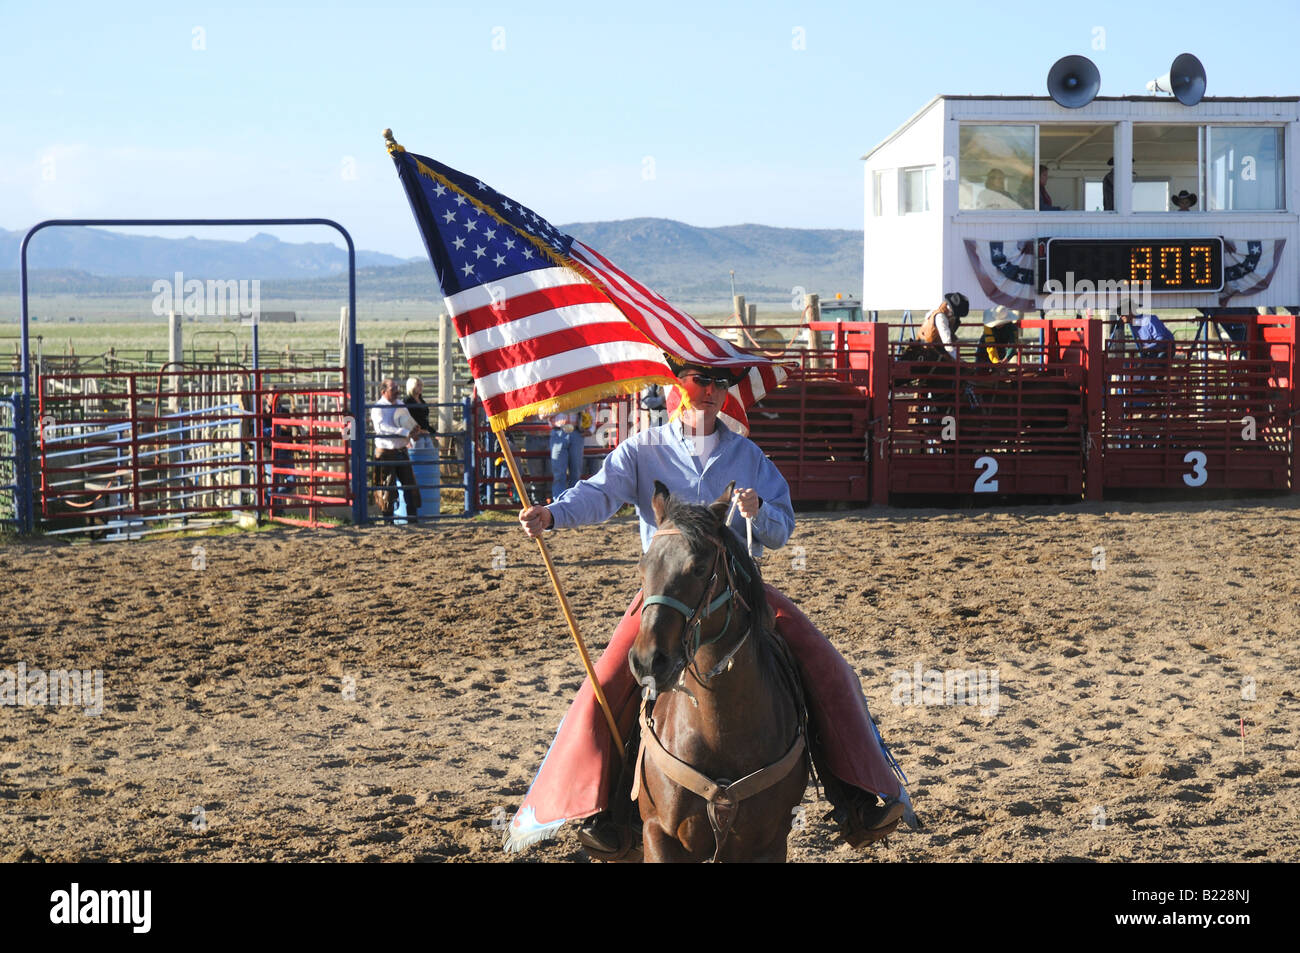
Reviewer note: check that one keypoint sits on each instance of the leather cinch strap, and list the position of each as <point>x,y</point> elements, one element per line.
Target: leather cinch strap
<point>719,794</point>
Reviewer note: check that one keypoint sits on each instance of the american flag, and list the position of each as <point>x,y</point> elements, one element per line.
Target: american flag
<point>547,323</point>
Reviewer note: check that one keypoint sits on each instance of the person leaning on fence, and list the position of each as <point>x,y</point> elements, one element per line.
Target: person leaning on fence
<point>1001,334</point>
<point>1153,339</point>
<point>940,325</point>
<point>394,428</point>
<point>415,403</point>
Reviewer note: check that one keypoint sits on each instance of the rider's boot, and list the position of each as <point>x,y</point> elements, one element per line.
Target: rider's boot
<point>862,816</point>
<point>614,834</point>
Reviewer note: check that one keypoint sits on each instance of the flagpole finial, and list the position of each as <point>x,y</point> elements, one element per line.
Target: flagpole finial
<point>391,142</point>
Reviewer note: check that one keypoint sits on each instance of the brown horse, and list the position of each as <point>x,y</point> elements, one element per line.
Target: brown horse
<point>723,760</point>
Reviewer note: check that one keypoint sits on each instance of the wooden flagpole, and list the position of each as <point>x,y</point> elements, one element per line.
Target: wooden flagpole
<point>508,454</point>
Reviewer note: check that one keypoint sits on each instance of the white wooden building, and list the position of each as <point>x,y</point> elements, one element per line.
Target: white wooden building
<point>953,203</point>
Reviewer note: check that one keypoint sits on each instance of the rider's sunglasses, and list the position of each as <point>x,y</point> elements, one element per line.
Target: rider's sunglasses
<point>702,382</point>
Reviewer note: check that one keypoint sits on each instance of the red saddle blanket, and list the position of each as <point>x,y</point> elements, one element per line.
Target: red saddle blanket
<point>578,773</point>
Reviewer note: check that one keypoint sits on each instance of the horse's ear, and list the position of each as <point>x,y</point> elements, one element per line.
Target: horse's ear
<point>659,502</point>
<point>720,506</point>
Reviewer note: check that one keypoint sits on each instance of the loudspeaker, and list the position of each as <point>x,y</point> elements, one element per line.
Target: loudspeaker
<point>1073,81</point>
<point>1185,79</point>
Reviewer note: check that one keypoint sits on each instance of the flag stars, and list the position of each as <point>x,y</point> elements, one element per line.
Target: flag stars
<point>479,251</point>
<point>460,200</point>
<point>528,253</point>
<point>490,234</point>
<point>481,186</point>
<point>439,190</point>
<point>459,244</point>
<point>468,269</point>
<point>471,225</point>
<point>499,260</point>
<point>510,244</point>
<point>449,217</point>
<point>507,206</point>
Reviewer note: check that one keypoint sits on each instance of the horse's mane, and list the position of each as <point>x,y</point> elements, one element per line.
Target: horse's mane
<point>699,525</point>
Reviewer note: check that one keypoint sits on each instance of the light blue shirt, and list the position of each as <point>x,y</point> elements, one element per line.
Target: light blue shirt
<point>665,454</point>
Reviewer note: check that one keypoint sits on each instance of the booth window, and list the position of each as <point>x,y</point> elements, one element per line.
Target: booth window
<point>1166,160</point>
<point>1078,160</point>
<point>996,167</point>
<point>1228,168</point>
<point>1244,169</point>
<point>877,190</point>
<point>915,188</point>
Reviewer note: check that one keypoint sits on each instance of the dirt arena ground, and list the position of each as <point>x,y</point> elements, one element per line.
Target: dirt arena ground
<point>387,694</point>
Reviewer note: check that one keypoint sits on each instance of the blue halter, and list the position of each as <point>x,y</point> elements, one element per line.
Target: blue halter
<point>695,617</point>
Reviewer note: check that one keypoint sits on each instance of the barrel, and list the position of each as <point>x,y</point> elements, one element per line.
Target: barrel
<point>424,464</point>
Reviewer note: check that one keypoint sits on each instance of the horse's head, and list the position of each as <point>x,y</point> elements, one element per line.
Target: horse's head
<point>687,578</point>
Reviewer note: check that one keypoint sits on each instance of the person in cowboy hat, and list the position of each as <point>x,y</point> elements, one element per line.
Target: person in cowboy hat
<point>697,457</point>
<point>1001,333</point>
<point>940,325</point>
<point>1183,201</point>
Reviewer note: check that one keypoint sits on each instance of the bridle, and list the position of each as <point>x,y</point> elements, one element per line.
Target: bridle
<point>692,640</point>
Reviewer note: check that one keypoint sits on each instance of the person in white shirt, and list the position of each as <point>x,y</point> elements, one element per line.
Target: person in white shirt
<point>394,429</point>
<point>995,194</point>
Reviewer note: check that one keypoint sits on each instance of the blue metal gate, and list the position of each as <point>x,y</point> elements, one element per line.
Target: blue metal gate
<point>15,484</point>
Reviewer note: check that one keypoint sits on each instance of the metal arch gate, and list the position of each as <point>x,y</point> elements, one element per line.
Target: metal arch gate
<point>25,493</point>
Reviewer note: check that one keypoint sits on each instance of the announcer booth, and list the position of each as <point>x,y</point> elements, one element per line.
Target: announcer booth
<point>1072,208</point>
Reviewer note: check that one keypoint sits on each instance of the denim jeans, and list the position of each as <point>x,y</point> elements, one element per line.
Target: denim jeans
<point>566,460</point>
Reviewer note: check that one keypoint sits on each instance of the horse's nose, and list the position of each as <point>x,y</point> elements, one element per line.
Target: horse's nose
<point>649,663</point>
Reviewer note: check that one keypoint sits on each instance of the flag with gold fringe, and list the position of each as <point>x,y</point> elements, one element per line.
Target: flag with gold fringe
<point>546,323</point>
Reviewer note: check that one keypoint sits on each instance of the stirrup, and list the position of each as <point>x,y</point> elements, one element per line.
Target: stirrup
<point>863,825</point>
<point>607,841</point>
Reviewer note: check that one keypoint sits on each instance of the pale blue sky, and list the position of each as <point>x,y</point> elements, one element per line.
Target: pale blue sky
<point>179,109</point>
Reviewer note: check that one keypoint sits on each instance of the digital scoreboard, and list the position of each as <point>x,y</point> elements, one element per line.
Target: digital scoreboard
<point>1169,264</point>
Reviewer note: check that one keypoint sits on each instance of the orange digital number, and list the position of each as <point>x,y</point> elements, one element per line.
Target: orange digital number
<point>1200,276</point>
<point>1174,253</point>
<point>1140,265</point>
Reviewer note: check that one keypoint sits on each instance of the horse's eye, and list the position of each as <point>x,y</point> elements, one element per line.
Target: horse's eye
<point>700,569</point>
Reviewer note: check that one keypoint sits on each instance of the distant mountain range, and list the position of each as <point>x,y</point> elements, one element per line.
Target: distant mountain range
<point>108,254</point>
<point>684,263</point>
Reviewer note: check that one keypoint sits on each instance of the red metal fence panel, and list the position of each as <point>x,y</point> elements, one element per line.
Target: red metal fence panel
<point>1206,415</point>
<point>1017,428</point>
<point>127,451</point>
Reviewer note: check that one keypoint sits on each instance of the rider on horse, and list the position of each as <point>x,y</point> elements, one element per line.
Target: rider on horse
<point>696,458</point>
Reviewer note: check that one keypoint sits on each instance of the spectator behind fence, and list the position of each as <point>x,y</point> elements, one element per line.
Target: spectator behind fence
<point>394,428</point>
<point>415,403</point>
<point>567,441</point>
<point>1152,337</point>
